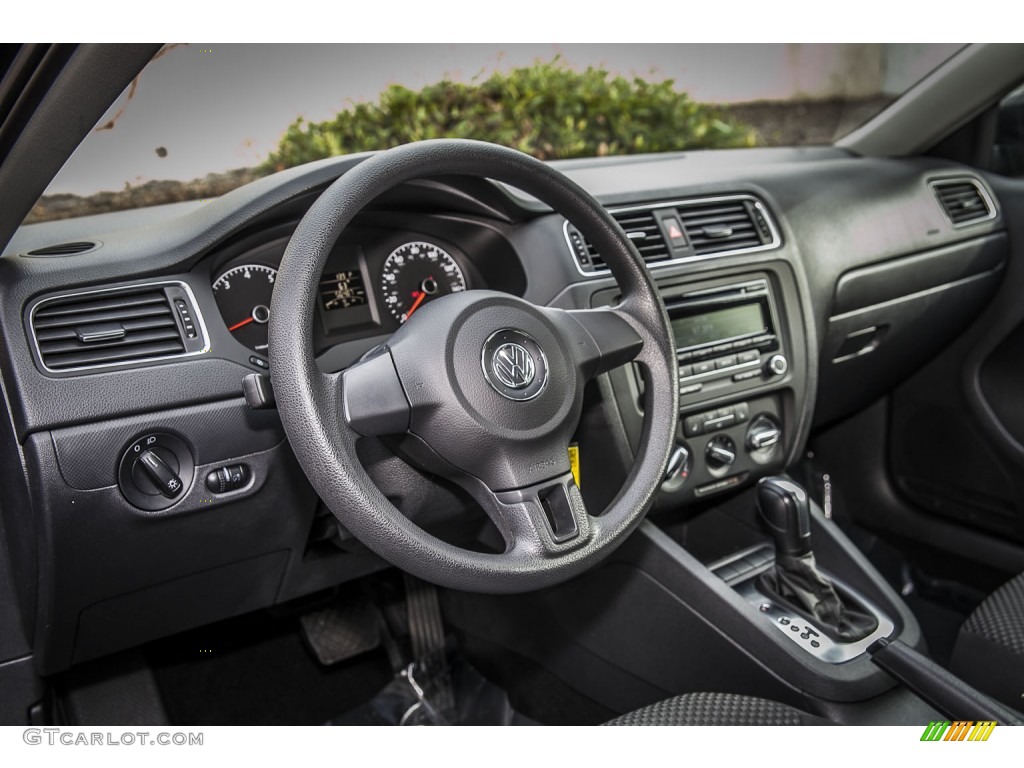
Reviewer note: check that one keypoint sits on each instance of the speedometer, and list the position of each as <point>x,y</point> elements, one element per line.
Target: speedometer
<point>415,273</point>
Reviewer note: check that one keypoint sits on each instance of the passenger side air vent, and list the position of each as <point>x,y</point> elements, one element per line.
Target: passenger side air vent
<point>118,326</point>
<point>63,249</point>
<point>724,225</point>
<point>964,201</point>
<point>679,231</point>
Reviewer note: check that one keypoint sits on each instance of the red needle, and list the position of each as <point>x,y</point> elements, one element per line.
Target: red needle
<point>420,296</point>
<point>236,326</point>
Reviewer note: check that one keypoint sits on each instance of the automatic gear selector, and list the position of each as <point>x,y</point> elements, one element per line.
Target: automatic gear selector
<point>796,581</point>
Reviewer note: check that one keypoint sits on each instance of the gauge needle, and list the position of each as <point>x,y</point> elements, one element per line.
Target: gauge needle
<point>420,296</point>
<point>236,326</point>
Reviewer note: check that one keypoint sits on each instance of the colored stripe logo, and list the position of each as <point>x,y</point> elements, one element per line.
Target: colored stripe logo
<point>959,730</point>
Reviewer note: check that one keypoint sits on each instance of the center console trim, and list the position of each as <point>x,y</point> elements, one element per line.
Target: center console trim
<point>785,620</point>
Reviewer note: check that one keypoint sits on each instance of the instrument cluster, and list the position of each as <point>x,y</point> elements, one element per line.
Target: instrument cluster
<point>371,284</point>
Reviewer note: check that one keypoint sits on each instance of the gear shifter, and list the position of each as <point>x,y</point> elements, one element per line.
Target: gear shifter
<point>796,580</point>
<point>784,509</point>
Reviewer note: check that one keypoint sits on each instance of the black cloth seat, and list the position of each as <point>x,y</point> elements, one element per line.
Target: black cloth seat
<point>717,709</point>
<point>989,652</point>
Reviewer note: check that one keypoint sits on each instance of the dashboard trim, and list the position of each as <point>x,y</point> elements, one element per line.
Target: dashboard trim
<point>200,324</point>
<point>775,243</point>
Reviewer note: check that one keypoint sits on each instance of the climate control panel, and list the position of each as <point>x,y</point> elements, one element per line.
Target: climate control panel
<point>728,445</point>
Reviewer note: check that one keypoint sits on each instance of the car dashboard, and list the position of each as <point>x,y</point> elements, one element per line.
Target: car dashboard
<point>800,284</point>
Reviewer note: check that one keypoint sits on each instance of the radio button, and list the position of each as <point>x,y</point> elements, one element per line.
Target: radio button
<point>725,362</point>
<point>685,370</point>
<point>720,348</point>
<point>742,343</point>
<point>685,357</point>
<point>689,389</point>
<point>693,425</point>
<point>700,354</point>
<point>746,375</point>
<point>703,367</point>
<point>748,357</point>
<point>719,420</point>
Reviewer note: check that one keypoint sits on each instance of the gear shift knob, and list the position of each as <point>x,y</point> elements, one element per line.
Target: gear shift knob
<point>785,510</point>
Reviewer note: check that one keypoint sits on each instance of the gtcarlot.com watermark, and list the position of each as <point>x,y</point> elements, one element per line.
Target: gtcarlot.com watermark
<point>54,737</point>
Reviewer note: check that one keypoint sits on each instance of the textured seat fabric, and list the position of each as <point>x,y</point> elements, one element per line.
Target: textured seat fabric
<point>989,652</point>
<point>715,709</point>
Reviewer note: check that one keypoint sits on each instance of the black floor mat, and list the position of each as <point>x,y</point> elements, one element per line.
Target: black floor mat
<point>533,691</point>
<point>411,698</point>
<point>256,670</point>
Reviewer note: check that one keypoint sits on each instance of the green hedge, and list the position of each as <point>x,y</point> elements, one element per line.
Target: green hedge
<point>547,110</point>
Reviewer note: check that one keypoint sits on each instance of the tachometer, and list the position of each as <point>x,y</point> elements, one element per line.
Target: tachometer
<point>243,298</point>
<point>416,273</point>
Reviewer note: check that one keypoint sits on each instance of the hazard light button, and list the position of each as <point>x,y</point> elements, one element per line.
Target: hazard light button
<point>672,229</point>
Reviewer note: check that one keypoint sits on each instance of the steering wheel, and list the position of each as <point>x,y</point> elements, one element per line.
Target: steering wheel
<point>484,387</point>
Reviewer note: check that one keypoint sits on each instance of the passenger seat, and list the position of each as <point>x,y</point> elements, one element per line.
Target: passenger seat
<point>989,653</point>
<point>717,709</point>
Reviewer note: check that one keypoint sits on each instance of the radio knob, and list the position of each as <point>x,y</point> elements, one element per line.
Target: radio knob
<point>777,365</point>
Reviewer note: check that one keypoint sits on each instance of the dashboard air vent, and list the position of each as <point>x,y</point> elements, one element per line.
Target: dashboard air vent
<point>117,326</point>
<point>723,225</point>
<point>684,230</point>
<point>63,249</point>
<point>964,201</point>
<point>640,226</point>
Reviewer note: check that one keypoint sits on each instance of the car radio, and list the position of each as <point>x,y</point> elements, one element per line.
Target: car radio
<point>726,337</point>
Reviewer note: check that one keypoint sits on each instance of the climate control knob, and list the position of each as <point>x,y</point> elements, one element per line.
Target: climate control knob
<point>763,435</point>
<point>720,454</point>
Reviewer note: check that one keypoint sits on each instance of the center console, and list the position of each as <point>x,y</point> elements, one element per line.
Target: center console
<point>719,559</point>
<point>740,344</point>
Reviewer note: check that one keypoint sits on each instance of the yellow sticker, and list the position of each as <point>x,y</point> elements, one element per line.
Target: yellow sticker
<point>574,462</point>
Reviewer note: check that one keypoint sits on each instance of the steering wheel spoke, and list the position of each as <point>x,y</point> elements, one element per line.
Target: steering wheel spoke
<point>601,339</point>
<point>547,519</point>
<point>372,396</point>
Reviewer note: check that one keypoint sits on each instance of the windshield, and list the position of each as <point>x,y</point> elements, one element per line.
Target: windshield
<point>202,119</point>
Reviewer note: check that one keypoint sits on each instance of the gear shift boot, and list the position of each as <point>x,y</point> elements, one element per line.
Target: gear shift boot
<point>795,580</point>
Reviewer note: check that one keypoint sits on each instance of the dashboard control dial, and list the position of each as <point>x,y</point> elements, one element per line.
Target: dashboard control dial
<point>416,273</point>
<point>720,454</point>
<point>677,472</point>
<point>777,365</point>
<point>156,471</point>
<point>763,435</point>
<point>243,296</point>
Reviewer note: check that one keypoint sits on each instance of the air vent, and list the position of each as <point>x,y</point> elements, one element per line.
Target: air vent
<point>724,225</point>
<point>63,249</point>
<point>115,327</point>
<point>964,201</point>
<point>675,232</point>
<point>640,226</point>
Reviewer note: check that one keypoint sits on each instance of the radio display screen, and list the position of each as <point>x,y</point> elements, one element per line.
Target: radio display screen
<point>719,325</point>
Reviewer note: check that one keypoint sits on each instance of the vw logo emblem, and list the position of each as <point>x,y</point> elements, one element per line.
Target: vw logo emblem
<point>513,366</point>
